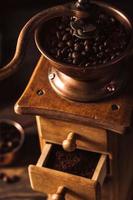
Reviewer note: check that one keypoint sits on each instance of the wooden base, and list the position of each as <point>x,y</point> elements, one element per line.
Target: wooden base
<point>96,124</point>
<point>118,184</point>
<point>40,99</point>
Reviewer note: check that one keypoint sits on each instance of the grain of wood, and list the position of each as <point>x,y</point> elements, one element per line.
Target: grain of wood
<point>51,105</point>
<point>88,138</point>
<point>48,180</point>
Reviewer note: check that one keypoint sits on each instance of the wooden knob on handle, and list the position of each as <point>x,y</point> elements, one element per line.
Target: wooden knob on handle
<point>70,143</point>
<point>59,195</point>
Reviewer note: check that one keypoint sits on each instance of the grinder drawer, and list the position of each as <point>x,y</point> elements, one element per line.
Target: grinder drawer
<point>85,137</point>
<point>77,179</point>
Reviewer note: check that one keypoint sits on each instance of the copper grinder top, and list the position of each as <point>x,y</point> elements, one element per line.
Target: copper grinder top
<point>89,48</point>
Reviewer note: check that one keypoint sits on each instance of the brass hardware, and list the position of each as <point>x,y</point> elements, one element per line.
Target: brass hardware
<point>83,30</point>
<point>59,195</point>
<point>51,76</point>
<point>66,86</point>
<point>40,92</point>
<point>70,143</point>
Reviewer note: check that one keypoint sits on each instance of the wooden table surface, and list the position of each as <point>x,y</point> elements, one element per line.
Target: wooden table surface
<point>19,190</point>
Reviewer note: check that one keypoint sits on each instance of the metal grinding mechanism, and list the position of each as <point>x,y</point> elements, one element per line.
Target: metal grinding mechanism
<point>89,45</point>
<point>82,28</point>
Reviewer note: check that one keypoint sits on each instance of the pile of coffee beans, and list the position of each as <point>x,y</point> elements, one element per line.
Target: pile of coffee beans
<point>9,179</point>
<point>79,162</point>
<point>9,138</point>
<point>107,43</point>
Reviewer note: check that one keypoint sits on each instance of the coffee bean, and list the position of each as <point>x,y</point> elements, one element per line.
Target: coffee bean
<point>87,48</point>
<point>95,49</point>
<point>95,44</point>
<point>109,41</point>
<point>75,55</point>
<point>76,40</point>
<point>66,37</point>
<point>58,53</point>
<point>99,55</point>
<point>70,55</point>
<point>87,64</point>
<point>75,61</point>
<point>97,38</point>
<point>117,53</point>
<point>70,43</point>
<point>70,50</point>
<point>86,42</point>
<point>77,47</point>
<point>65,52</point>
<point>105,44</point>
<point>106,50</point>
<point>105,61</point>
<point>101,47</point>
<point>83,53</point>
<point>61,44</point>
<point>112,57</point>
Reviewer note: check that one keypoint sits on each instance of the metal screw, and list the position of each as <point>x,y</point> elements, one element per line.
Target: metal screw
<point>115,107</point>
<point>51,76</point>
<point>111,87</point>
<point>40,92</point>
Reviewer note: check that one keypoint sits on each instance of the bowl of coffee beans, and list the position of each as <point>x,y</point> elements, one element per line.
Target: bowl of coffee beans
<point>89,48</point>
<point>11,140</point>
<point>89,51</point>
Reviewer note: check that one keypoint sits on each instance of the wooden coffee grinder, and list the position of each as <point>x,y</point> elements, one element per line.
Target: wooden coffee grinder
<point>80,110</point>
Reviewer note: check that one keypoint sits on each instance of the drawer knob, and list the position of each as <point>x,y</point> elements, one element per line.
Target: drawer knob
<point>59,195</point>
<point>70,143</point>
